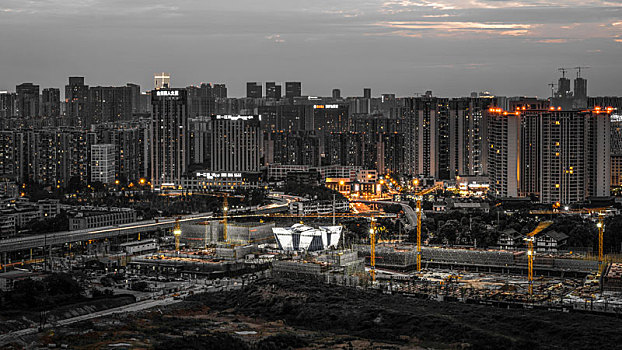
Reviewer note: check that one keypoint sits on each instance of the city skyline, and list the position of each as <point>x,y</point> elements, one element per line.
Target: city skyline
<point>401,47</point>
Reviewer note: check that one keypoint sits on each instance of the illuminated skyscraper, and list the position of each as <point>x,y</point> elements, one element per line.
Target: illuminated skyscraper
<point>169,137</point>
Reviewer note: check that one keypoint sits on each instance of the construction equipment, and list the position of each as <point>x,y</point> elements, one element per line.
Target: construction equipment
<point>372,239</point>
<point>600,224</point>
<point>177,233</point>
<point>601,231</point>
<point>530,253</point>
<point>578,69</point>
<point>552,85</point>
<point>225,208</point>
<point>419,197</point>
<point>564,70</point>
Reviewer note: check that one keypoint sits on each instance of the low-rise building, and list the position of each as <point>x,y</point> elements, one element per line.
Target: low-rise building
<point>550,241</point>
<point>7,225</point>
<point>318,207</point>
<point>510,239</point>
<point>86,219</point>
<point>300,237</point>
<point>139,247</point>
<point>49,207</point>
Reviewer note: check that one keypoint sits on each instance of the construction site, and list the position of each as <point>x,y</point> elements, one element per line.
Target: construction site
<point>520,278</point>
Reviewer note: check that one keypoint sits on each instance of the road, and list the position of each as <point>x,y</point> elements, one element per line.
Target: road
<point>410,214</point>
<point>281,203</point>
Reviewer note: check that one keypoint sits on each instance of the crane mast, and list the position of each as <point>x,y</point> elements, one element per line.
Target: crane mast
<point>372,259</point>
<point>530,253</point>
<point>225,208</point>
<point>418,211</point>
<point>177,233</point>
<point>601,231</point>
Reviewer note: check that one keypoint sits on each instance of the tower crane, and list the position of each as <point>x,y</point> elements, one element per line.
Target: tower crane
<point>419,197</point>
<point>600,224</point>
<point>225,208</point>
<point>564,70</point>
<point>579,70</point>
<point>372,239</point>
<point>177,233</point>
<point>530,254</point>
<point>601,231</point>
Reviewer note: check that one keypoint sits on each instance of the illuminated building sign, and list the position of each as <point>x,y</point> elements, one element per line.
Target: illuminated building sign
<point>325,106</point>
<point>219,175</point>
<point>167,93</point>
<point>236,117</point>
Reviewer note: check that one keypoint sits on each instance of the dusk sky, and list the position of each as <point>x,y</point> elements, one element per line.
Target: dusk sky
<point>402,47</point>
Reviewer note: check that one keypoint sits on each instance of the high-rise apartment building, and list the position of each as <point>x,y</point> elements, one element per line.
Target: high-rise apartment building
<point>273,90</point>
<point>253,90</point>
<point>50,103</point>
<point>77,103</point>
<point>468,136</point>
<point>560,156</point>
<point>169,137</point>
<point>428,132</point>
<point>235,143</point>
<point>220,91</point>
<point>293,89</point>
<point>27,100</point>
<point>110,104</point>
<point>103,163</point>
<point>7,104</point>
<point>504,153</point>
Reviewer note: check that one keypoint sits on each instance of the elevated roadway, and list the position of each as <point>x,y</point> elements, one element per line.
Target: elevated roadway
<point>409,213</point>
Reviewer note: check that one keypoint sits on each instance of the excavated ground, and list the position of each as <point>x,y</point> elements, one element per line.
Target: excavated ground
<point>282,314</point>
<point>402,321</point>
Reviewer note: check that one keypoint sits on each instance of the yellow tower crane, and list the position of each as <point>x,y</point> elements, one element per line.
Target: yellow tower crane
<point>177,233</point>
<point>601,231</point>
<point>225,209</point>
<point>530,253</point>
<point>372,239</point>
<point>600,223</point>
<point>419,211</point>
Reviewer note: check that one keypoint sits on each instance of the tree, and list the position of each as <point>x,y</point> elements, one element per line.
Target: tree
<point>62,284</point>
<point>75,185</point>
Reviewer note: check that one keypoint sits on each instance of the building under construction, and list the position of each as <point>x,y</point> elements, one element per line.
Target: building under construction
<point>339,267</point>
<point>404,258</point>
<point>612,278</point>
<point>213,263</point>
<point>207,233</point>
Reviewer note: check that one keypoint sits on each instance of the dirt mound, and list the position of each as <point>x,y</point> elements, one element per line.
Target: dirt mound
<point>400,320</point>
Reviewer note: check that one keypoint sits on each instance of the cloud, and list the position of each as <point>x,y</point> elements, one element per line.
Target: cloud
<point>452,28</point>
<point>354,41</point>
<point>276,38</point>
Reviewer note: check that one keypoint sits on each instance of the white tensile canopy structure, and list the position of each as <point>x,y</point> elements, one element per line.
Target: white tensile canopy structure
<point>302,237</point>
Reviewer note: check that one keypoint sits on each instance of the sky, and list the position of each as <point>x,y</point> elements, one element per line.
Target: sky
<point>395,46</point>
